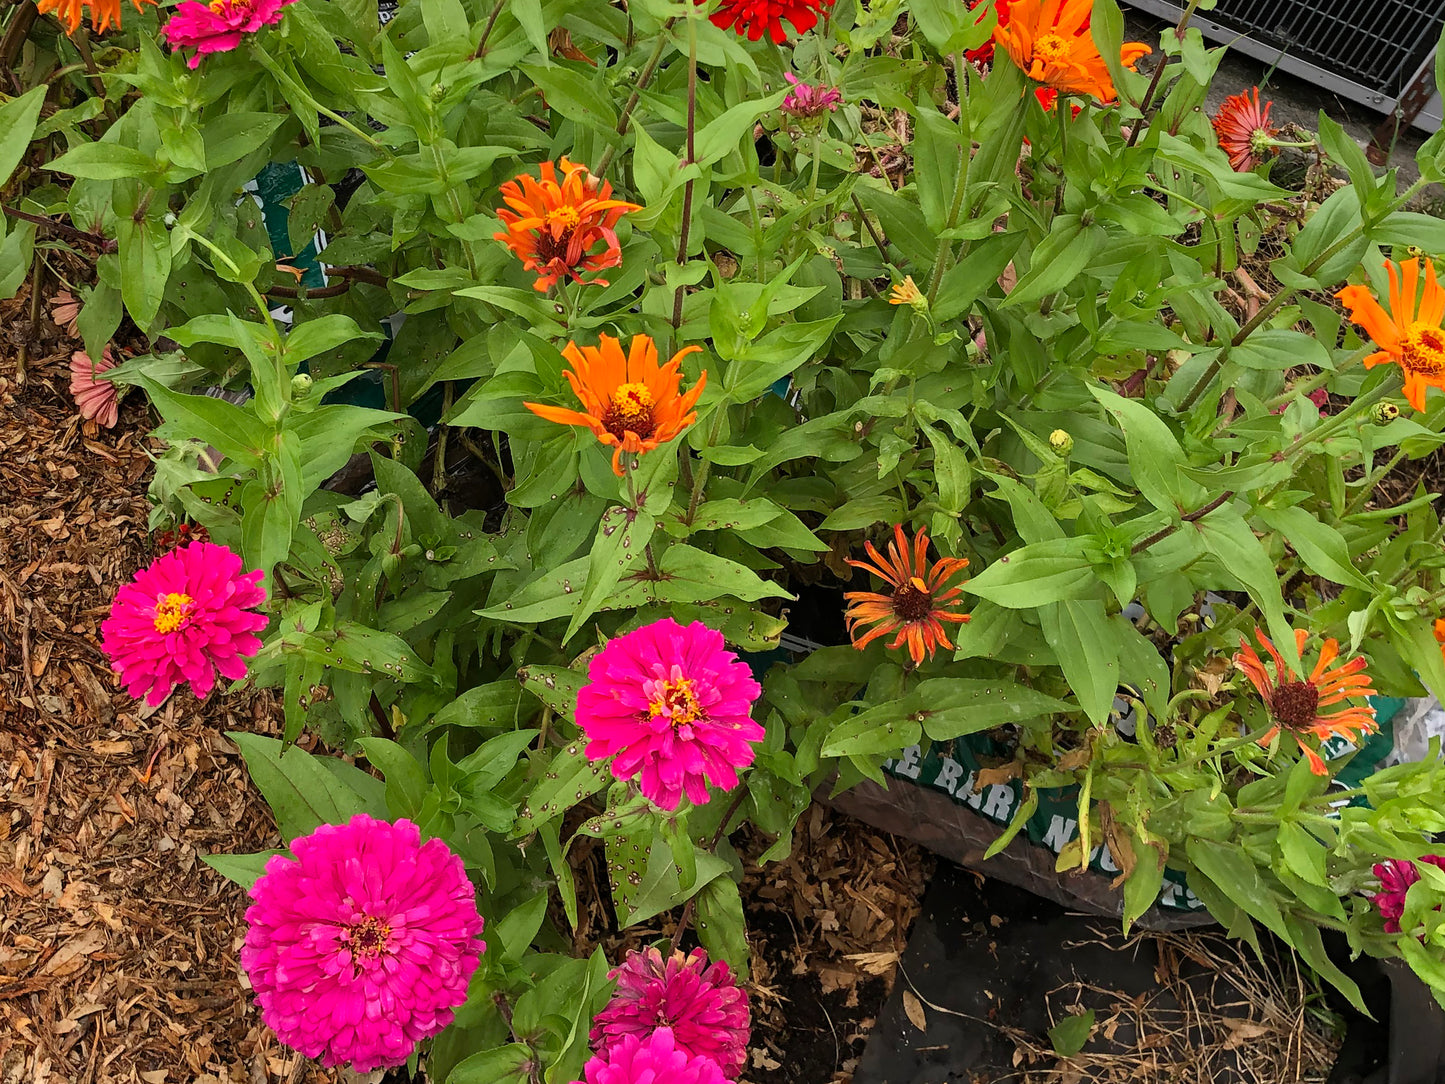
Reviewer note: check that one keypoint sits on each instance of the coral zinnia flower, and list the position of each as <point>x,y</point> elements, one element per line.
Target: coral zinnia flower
<point>1410,334</point>
<point>220,26</point>
<point>102,12</point>
<point>1049,40</point>
<point>915,609</point>
<point>629,402</point>
<point>556,226</point>
<point>754,17</point>
<point>97,400</point>
<point>1243,129</point>
<point>362,945</point>
<point>1295,704</point>
<point>1396,877</point>
<point>183,618</point>
<point>654,1060</point>
<point>672,706</point>
<point>65,311</point>
<point>703,1005</point>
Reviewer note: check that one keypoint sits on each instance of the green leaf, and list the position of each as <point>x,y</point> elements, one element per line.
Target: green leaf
<point>1155,458</point>
<point>501,1065</point>
<point>300,792</point>
<point>1242,556</point>
<point>621,542</point>
<point>1275,349</point>
<point>1322,548</point>
<point>1071,1033</point>
<point>1234,874</point>
<point>577,96</point>
<point>231,136</point>
<point>323,333</point>
<point>244,869</point>
<point>145,265</point>
<point>1302,852</point>
<point>724,133</point>
<point>104,162</point>
<point>18,117</point>
<point>953,707</point>
<point>569,778</point>
<point>233,431</point>
<point>886,728</point>
<point>490,706</point>
<point>1057,262</point>
<point>1083,639</point>
<point>406,777</point>
<point>1037,574</point>
<point>721,926</point>
<point>516,929</point>
<point>1141,888</point>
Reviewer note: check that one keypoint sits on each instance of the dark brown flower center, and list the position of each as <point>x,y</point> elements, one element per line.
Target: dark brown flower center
<point>912,601</point>
<point>1295,704</point>
<point>369,937</point>
<point>630,409</point>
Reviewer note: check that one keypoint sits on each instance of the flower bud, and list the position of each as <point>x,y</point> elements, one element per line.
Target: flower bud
<point>169,219</point>
<point>301,386</point>
<point>1385,413</point>
<point>438,91</point>
<point>1061,441</point>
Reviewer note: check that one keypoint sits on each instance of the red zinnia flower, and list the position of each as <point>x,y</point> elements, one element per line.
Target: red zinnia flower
<point>754,17</point>
<point>1295,704</point>
<point>984,53</point>
<point>1243,128</point>
<point>915,609</point>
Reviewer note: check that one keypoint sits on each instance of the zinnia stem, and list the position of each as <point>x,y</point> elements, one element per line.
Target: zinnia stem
<point>681,290</point>
<point>642,81</point>
<point>1147,102</point>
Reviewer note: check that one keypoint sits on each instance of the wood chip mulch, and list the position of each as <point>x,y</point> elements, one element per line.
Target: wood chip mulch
<point>118,945</point>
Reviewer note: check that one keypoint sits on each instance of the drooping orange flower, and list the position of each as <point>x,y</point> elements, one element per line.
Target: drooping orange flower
<point>1049,40</point>
<point>917,606</point>
<point>1295,704</point>
<point>103,13</point>
<point>553,227</point>
<point>629,401</point>
<point>1410,334</point>
<point>1243,130</point>
<point>907,293</point>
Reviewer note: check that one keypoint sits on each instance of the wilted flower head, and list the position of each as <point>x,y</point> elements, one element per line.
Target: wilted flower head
<point>918,604</point>
<point>65,311</point>
<point>806,100</point>
<point>629,401</point>
<point>1243,129</point>
<point>673,708</point>
<point>220,26</point>
<point>703,1005</point>
<point>1409,334</point>
<point>908,293</point>
<point>183,618</point>
<point>758,17</point>
<point>96,399</point>
<point>1295,704</point>
<point>654,1060</point>
<point>1396,877</point>
<point>553,226</point>
<point>363,944</point>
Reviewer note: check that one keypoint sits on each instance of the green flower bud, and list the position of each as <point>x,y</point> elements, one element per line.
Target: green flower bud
<point>1385,413</point>
<point>301,386</point>
<point>1061,441</point>
<point>438,91</point>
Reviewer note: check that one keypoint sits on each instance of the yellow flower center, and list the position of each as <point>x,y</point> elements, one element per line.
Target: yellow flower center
<point>172,611</point>
<point>676,699</point>
<point>567,215</point>
<point>1052,49</point>
<point>1422,350</point>
<point>369,937</point>
<point>632,401</point>
<point>218,7</point>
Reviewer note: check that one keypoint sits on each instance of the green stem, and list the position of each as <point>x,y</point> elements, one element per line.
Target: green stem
<point>960,182</point>
<point>642,80</point>
<point>1367,487</point>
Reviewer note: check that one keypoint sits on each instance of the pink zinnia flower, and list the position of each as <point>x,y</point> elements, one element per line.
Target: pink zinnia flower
<point>1396,877</point>
<point>97,400</point>
<point>806,100</point>
<point>220,26</point>
<point>654,1060</point>
<point>65,311</point>
<point>703,1006</point>
<point>672,705</point>
<point>363,944</point>
<point>182,619</point>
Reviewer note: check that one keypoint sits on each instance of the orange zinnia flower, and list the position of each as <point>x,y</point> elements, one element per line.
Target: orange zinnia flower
<point>1049,40</point>
<point>1410,333</point>
<point>628,401</point>
<point>1294,705</point>
<point>102,12</point>
<point>556,226</point>
<point>1243,130</point>
<point>915,608</point>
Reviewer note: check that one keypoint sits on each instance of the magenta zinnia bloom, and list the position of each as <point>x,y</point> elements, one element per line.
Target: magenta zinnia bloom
<point>183,618</point>
<point>807,100</point>
<point>97,400</point>
<point>363,944</point>
<point>654,1060</point>
<point>220,26</point>
<point>672,705</point>
<point>705,1008</point>
<point>1396,877</point>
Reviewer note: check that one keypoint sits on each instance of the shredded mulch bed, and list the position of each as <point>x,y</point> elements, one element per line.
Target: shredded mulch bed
<point>117,943</point>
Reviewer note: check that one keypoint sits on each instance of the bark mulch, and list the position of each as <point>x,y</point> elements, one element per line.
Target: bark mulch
<point>117,943</point>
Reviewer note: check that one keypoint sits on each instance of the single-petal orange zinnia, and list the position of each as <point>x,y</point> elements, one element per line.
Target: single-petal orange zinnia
<point>916,607</point>
<point>1409,334</point>
<point>103,13</point>
<point>628,400</point>
<point>1050,42</point>
<point>1295,705</point>
<point>1243,130</point>
<point>553,226</point>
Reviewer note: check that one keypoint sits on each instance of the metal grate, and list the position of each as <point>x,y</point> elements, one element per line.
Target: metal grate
<point>1378,43</point>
